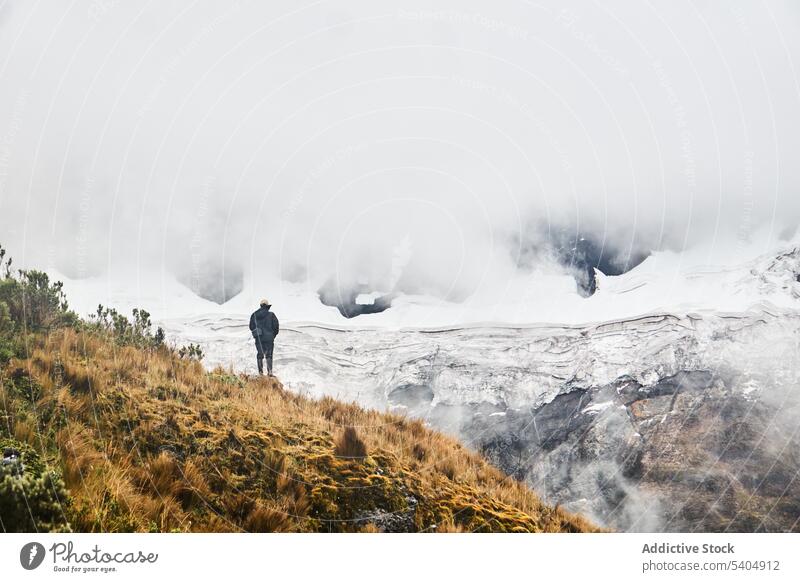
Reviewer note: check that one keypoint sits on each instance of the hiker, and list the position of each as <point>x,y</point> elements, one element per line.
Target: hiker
<point>264,326</point>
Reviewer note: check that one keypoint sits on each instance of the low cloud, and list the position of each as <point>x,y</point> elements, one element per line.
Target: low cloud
<point>305,142</point>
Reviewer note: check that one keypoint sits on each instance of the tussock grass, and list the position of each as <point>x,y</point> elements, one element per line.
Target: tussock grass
<point>148,441</point>
<point>349,445</point>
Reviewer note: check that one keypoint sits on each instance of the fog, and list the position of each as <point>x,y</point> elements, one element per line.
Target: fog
<point>414,149</point>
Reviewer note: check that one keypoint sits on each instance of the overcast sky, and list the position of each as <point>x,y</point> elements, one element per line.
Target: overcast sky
<point>305,139</point>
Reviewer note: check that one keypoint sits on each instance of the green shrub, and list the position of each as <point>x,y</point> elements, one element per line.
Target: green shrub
<point>137,331</point>
<point>191,352</point>
<point>32,303</point>
<point>7,350</point>
<point>6,325</point>
<point>31,497</point>
<point>31,503</point>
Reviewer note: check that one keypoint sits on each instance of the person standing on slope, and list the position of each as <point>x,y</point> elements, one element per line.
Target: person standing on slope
<point>264,327</point>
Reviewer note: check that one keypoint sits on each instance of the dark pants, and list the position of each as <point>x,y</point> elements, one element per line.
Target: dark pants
<point>264,348</point>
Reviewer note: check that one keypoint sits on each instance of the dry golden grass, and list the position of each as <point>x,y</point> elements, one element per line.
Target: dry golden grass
<point>149,442</point>
<point>349,445</point>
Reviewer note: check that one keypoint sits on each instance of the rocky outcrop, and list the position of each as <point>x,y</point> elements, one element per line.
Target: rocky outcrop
<point>686,454</point>
<point>345,298</point>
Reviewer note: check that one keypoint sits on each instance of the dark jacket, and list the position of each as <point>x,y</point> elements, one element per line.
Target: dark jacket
<point>264,324</point>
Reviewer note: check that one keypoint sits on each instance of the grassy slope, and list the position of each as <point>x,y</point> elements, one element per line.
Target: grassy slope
<point>146,441</point>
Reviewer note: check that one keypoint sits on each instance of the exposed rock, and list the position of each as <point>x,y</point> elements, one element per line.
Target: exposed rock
<point>392,522</point>
<point>344,298</point>
<point>699,457</point>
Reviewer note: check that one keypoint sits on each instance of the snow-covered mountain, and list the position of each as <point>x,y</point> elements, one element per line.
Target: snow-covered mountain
<point>666,401</point>
<point>719,275</point>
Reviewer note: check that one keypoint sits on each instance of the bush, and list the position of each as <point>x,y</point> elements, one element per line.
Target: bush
<point>7,350</point>
<point>6,325</point>
<point>137,331</point>
<point>31,497</point>
<point>31,303</point>
<point>191,352</point>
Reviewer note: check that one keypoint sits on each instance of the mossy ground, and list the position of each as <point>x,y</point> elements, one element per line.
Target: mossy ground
<point>146,441</point>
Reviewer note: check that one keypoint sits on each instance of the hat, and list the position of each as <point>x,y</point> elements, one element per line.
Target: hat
<point>265,302</point>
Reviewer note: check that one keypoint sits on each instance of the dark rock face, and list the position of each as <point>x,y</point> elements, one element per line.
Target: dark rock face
<point>582,255</point>
<point>720,458</point>
<point>344,299</point>
<point>579,253</point>
<point>216,281</point>
<point>412,396</point>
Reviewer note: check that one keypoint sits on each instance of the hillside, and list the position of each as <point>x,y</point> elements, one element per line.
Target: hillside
<point>148,441</point>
